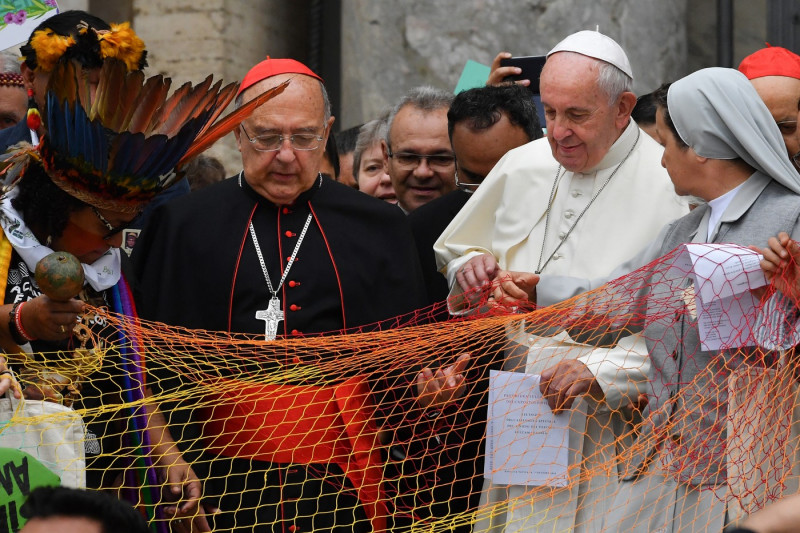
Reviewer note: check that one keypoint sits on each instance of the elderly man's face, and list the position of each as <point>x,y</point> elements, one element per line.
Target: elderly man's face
<point>280,176</point>
<point>782,97</point>
<point>581,125</point>
<point>416,180</point>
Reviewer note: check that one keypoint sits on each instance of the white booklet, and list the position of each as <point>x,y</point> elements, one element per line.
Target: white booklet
<point>526,444</point>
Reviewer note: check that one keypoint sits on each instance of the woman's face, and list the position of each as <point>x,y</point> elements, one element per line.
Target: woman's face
<point>91,232</point>
<point>372,176</point>
<point>680,160</point>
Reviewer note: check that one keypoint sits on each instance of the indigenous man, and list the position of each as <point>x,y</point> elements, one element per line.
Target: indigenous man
<point>567,205</point>
<point>79,36</point>
<point>279,248</point>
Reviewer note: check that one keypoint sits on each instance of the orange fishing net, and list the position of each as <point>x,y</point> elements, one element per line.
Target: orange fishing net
<point>697,426</point>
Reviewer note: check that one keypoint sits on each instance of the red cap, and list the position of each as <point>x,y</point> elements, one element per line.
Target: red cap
<point>771,61</point>
<point>272,67</point>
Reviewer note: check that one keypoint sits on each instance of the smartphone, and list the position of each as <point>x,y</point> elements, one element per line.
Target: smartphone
<point>531,69</point>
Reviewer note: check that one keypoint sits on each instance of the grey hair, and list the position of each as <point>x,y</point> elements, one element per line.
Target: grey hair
<point>9,62</point>
<point>326,102</point>
<point>613,81</point>
<point>424,98</point>
<point>370,133</point>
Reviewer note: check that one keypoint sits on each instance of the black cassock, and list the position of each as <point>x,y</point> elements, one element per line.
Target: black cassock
<point>196,266</point>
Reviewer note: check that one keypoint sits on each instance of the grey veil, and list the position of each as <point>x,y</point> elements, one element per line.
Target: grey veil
<point>720,115</point>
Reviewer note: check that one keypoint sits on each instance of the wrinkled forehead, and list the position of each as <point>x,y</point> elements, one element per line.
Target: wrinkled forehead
<point>302,93</point>
<point>571,67</point>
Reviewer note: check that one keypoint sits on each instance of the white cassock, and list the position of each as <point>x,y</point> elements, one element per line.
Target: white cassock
<point>506,217</point>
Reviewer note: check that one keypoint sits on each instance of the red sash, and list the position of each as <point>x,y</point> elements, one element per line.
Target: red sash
<point>303,425</point>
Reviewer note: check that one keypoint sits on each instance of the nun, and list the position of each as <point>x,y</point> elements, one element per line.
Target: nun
<point>721,144</point>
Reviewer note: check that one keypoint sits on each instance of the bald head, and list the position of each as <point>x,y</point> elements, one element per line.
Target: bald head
<point>264,85</point>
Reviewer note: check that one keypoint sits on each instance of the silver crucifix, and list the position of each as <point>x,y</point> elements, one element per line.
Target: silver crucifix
<point>271,316</point>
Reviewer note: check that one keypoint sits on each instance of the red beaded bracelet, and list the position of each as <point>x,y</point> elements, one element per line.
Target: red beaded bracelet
<point>18,323</point>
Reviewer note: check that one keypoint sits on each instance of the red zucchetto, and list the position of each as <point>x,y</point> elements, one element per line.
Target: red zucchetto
<point>272,67</point>
<point>771,61</point>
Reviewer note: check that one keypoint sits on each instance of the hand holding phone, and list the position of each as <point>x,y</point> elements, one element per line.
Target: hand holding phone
<point>498,73</point>
<point>530,68</point>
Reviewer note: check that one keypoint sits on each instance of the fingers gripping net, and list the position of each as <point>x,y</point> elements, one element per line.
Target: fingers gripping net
<point>694,426</point>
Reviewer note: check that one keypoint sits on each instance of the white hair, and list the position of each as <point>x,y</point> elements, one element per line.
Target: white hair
<point>613,81</point>
<point>9,62</point>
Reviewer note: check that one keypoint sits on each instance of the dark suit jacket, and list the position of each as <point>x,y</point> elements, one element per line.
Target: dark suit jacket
<point>427,223</point>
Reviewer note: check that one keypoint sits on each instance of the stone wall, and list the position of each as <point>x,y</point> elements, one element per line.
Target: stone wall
<point>64,5</point>
<point>190,39</point>
<point>389,47</point>
<point>749,31</point>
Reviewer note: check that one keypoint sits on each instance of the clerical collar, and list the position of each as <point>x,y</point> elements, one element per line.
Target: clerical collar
<point>718,206</point>
<point>303,197</point>
<point>619,150</point>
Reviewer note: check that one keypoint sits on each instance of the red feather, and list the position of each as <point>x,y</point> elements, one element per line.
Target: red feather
<point>147,104</point>
<point>228,123</point>
<point>224,98</point>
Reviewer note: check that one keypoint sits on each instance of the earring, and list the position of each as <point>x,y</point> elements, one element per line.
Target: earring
<point>34,119</point>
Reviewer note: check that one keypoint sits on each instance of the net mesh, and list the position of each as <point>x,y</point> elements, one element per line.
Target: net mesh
<point>326,430</point>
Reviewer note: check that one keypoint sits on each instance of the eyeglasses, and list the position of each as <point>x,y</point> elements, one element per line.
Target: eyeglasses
<point>466,187</point>
<point>112,229</point>
<point>272,142</point>
<point>410,160</point>
<point>787,127</point>
<point>796,160</point>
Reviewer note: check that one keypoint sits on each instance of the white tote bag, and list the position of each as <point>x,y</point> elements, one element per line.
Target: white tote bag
<point>50,432</point>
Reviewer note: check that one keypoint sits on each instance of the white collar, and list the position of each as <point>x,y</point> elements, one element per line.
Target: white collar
<point>718,206</point>
<point>619,150</point>
<point>101,275</point>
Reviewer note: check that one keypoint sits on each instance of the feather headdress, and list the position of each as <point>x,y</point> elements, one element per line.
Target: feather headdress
<point>88,45</point>
<point>119,147</point>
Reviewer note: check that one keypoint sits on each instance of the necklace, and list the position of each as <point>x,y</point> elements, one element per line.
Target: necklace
<point>559,175</point>
<point>273,313</point>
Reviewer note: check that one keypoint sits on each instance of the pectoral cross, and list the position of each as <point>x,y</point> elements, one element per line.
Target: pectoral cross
<point>271,316</point>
